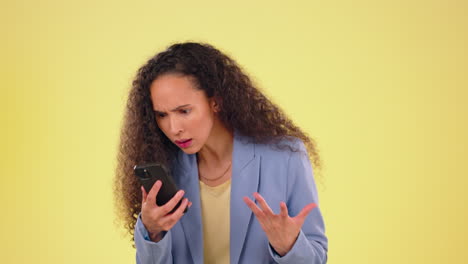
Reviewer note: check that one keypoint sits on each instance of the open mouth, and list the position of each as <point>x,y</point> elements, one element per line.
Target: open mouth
<point>184,143</point>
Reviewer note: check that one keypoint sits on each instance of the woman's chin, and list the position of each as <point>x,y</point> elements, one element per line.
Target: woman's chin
<point>190,150</point>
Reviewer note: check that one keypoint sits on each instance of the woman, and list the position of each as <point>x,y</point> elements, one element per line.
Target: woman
<point>193,109</point>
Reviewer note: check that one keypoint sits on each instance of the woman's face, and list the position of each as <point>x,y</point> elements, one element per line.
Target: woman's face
<point>183,113</point>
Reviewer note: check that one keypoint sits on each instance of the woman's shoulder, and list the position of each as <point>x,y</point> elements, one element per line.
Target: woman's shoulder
<point>284,146</point>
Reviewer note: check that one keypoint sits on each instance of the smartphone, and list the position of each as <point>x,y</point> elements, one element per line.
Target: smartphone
<point>148,174</point>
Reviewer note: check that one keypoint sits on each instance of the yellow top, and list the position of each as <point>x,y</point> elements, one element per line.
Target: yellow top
<point>215,205</point>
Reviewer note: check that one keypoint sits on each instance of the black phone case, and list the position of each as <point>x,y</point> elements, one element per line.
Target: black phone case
<point>148,174</point>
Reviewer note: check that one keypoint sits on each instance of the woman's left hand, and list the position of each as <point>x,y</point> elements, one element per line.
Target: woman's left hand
<point>281,229</point>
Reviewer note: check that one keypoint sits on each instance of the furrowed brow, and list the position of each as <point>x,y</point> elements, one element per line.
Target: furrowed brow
<point>179,107</point>
<point>173,110</point>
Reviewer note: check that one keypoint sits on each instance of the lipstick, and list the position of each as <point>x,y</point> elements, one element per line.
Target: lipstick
<point>185,143</point>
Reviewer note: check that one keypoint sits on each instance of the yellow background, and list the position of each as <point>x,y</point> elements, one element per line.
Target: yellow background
<point>381,85</point>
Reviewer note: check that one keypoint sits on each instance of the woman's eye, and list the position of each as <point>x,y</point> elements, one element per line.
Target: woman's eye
<point>160,115</point>
<point>185,111</point>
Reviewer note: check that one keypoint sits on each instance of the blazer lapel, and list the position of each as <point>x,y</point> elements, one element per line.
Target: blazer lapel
<point>244,182</point>
<point>191,221</point>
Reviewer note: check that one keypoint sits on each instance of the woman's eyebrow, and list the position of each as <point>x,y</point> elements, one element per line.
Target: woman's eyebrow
<point>173,110</point>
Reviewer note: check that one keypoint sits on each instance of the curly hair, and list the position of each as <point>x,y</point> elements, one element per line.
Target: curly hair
<point>243,108</point>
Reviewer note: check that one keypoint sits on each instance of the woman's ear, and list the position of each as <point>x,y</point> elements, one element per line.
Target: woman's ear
<point>215,105</point>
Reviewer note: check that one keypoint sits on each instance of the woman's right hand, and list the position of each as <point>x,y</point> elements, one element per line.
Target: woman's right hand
<point>157,219</point>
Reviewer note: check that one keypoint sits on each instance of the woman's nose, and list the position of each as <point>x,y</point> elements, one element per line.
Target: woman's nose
<point>175,125</point>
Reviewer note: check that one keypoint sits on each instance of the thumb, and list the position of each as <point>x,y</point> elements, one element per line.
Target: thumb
<point>305,211</point>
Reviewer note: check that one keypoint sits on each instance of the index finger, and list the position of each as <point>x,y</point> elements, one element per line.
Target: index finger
<point>151,198</point>
<point>306,210</point>
<point>257,211</point>
<point>143,194</point>
<point>172,203</point>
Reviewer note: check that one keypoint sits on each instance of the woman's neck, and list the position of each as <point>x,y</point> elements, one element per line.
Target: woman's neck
<point>218,147</point>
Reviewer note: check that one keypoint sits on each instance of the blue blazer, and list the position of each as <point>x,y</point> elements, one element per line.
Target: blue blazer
<point>278,175</point>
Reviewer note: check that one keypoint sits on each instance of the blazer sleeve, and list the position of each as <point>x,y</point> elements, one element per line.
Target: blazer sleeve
<point>311,245</point>
<point>148,251</point>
